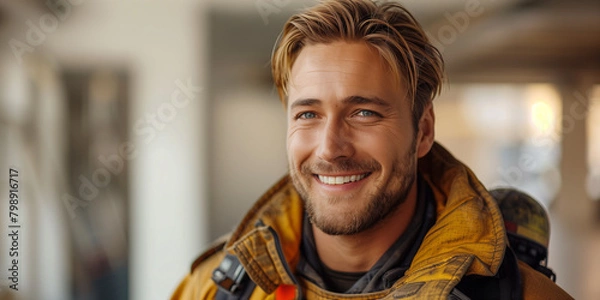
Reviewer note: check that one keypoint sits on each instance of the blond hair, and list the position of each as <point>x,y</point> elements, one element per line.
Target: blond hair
<point>387,26</point>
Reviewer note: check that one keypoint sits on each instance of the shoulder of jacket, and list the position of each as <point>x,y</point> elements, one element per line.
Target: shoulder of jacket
<point>538,286</point>
<point>216,247</point>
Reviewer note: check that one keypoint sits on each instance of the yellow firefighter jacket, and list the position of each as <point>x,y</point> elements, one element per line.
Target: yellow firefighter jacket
<point>468,238</point>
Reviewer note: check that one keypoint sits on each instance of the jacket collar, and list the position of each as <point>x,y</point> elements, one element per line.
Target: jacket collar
<point>267,241</point>
<point>468,218</point>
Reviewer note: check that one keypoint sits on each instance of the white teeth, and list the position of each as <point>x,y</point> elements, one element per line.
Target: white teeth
<point>333,180</point>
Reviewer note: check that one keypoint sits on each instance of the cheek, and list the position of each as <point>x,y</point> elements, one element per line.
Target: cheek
<point>384,144</point>
<point>299,146</point>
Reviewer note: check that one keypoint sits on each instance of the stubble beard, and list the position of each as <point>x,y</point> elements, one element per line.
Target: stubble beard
<point>384,200</point>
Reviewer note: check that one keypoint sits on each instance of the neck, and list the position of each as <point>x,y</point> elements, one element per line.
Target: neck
<point>359,252</point>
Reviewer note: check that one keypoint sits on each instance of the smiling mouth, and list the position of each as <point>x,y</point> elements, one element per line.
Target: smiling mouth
<point>337,180</point>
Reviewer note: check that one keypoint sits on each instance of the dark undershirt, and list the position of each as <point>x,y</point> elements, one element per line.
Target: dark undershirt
<point>340,281</point>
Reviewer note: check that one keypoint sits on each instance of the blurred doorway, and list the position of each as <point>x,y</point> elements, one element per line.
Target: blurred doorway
<point>97,173</point>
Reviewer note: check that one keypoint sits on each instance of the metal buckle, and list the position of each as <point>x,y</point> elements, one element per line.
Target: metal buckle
<point>230,274</point>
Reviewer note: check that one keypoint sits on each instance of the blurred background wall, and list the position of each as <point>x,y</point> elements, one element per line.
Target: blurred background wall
<point>142,130</point>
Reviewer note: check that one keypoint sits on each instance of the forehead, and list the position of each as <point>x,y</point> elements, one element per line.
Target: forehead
<point>340,69</point>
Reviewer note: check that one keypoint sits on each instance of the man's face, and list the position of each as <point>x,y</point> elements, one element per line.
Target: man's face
<point>352,150</point>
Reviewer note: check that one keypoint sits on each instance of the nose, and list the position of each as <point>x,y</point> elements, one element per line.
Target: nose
<point>335,141</point>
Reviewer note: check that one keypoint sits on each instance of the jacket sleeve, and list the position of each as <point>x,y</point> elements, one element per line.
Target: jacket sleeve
<point>537,286</point>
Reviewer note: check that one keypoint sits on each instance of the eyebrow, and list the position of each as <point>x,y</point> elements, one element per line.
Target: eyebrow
<point>366,100</point>
<point>348,100</point>
<point>305,102</point>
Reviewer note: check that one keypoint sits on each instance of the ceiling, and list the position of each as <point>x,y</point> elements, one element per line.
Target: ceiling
<point>530,41</point>
<point>508,41</point>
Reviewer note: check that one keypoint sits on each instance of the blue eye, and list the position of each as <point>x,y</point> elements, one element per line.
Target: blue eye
<point>306,115</point>
<point>366,113</point>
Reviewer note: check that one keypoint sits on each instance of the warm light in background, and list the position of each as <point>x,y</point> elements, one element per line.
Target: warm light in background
<point>541,117</point>
<point>544,105</point>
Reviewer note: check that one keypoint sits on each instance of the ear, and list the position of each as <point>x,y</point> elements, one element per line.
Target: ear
<point>426,134</point>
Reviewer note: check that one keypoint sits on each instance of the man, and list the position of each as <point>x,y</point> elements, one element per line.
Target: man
<point>372,205</point>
